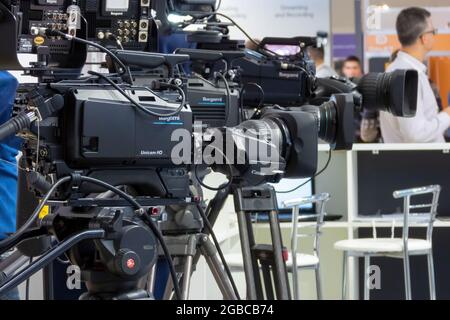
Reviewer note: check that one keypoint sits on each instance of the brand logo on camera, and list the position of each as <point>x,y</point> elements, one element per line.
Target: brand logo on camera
<point>289,75</point>
<point>211,101</point>
<point>169,119</point>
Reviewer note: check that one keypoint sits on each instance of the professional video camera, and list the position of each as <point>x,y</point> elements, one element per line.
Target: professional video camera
<point>278,71</point>
<point>85,135</point>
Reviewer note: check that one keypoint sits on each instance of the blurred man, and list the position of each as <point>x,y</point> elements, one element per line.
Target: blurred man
<point>322,70</point>
<point>8,168</point>
<point>366,122</point>
<point>416,32</point>
<point>351,68</point>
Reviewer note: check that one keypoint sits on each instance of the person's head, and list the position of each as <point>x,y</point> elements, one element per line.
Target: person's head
<point>415,29</point>
<point>351,68</point>
<point>317,54</point>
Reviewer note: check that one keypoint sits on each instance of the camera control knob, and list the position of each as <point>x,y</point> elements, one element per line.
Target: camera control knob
<point>177,82</point>
<point>127,262</point>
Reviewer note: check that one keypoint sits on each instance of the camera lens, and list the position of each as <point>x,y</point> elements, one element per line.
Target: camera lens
<point>326,118</point>
<point>269,133</point>
<point>390,92</point>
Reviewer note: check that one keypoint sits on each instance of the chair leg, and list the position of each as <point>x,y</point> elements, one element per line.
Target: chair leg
<point>344,276</point>
<point>407,275</point>
<point>431,276</point>
<point>296,285</point>
<point>318,283</point>
<point>366,277</point>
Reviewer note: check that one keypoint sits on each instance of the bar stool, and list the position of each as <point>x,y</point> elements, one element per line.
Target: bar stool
<point>306,261</point>
<point>400,248</point>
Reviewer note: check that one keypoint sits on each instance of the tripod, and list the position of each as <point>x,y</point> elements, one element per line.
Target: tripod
<point>184,249</point>
<point>270,257</point>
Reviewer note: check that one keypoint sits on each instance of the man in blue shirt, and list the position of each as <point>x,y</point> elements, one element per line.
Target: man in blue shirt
<point>8,166</point>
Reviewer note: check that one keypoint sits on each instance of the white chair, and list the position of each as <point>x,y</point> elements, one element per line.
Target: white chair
<point>305,261</point>
<point>397,247</point>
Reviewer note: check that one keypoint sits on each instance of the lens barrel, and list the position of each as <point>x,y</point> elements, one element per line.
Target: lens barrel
<point>326,118</point>
<point>394,92</point>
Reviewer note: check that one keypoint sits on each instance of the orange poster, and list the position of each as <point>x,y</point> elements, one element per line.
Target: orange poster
<point>389,42</point>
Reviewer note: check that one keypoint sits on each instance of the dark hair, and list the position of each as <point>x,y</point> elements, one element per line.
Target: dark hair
<point>411,23</point>
<point>352,59</point>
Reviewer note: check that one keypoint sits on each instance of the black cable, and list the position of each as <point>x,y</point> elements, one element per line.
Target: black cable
<point>224,186</point>
<point>149,222</point>
<point>98,46</point>
<point>230,178</point>
<point>309,180</point>
<point>15,125</point>
<point>228,96</point>
<point>195,75</point>
<point>256,43</point>
<point>138,105</point>
<point>15,236</point>
<point>173,274</point>
<point>244,88</point>
<point>111,188</point>
<point>219,250</point>
<point>114,38</point>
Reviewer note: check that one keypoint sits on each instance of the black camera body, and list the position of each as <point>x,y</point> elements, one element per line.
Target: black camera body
<point>95,120</point>
<point>212,105</point>
<point>285,80</point>
<point>98,133</point>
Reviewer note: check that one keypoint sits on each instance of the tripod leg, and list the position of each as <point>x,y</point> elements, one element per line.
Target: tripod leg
<point>187,272</point>
<point>48,285</point>
<point>151,280</point>
<point>267,281</point>
<point>168,291</point>
<point>247,256</point>
<point>255,259</point>
<point>282,286</point>
<point>209,252</point>
<point>212,212</point>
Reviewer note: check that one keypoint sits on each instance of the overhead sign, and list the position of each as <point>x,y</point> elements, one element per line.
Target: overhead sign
<point>263,18</point>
